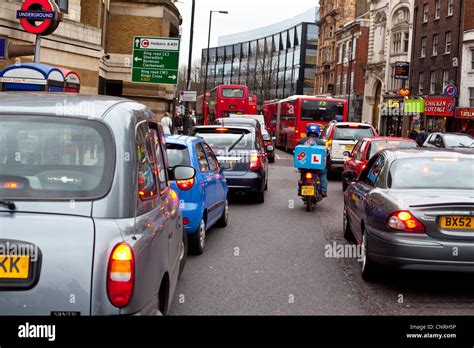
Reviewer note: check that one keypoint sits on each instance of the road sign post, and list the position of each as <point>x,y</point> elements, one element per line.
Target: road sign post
<point>155,60</point>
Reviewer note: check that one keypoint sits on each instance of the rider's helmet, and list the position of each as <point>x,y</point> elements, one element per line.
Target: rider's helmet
<point>313,130</point>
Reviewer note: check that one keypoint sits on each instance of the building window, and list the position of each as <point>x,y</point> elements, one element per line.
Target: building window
<point>63,5</point>
<point>435,44</point>
<point>472,58</point>
<point>445,78</point>
<point>471,97</point>
<point>406,41</point>
<point>397,42</point>
<point>437,9</point>
<point>450,7</point>
<point>426,11</point>
<point>344,84</point>
<point>354,48</point>
<point>423,47</point>
<point>421,83</point>
<point>433,82</point>
<point>339,56</point>
<point>338,84</point>
<point>448,43</point>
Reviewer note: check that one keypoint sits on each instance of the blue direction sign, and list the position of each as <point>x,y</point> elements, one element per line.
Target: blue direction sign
<point>3,47</point>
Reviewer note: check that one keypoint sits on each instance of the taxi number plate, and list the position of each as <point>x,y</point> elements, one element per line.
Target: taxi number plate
<point>348,147</point>
<point>307,191</point>
<point>14,267</point>
<point>457,222</point>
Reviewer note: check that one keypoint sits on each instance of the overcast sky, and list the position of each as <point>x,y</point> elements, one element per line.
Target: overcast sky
<point>243,15</point>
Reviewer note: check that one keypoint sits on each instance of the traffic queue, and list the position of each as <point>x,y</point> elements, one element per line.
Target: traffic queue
<point>105,206</point>
<point>111,205</point>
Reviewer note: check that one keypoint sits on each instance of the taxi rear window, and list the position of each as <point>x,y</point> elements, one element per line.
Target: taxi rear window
<point>53,158</point>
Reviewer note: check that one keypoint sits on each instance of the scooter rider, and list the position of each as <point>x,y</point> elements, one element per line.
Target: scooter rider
<point>312,136</point>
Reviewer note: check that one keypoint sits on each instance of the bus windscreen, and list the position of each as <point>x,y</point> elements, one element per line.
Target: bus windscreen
<point>321,110</point>
<point>232,93</point>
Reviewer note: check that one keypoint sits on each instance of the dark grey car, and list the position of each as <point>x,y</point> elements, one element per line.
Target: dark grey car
<point>413,209</point>
<point>88,223</point>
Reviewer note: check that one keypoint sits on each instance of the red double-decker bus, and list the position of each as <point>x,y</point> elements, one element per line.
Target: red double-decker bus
<point>287,118</point>
<point>202,109</point>
<point>252,107</point>
<point>228,99</point>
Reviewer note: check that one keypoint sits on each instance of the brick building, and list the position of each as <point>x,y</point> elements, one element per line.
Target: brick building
<point>437,53</point>
<point>95,40</point>
<point>465,116</point>
<point>351,58</point>
<point>334,14</point>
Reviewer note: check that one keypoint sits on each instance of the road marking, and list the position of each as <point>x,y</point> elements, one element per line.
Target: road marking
<point>277,156</point>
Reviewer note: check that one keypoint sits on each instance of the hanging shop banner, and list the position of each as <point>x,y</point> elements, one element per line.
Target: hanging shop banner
<point>392,103</point>
<point>439,107</point>
<point>465,113</point>
<point>414,106</point>
<point>402,70</point>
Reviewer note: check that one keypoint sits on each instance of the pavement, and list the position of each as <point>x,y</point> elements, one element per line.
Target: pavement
<point>272,260</point>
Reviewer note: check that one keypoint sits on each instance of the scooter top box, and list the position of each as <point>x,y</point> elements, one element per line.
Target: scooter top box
<point>310,157</point>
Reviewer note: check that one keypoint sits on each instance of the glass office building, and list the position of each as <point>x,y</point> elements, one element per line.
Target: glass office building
<point>277,65</point>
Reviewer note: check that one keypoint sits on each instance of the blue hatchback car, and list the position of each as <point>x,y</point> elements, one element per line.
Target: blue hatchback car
<point>203,199</point>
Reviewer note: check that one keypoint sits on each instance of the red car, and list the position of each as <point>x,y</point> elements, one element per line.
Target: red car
<point>366,148</point>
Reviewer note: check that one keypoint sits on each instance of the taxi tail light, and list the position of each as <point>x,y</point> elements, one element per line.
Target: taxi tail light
<point>121,275</point>
<point>404,221</point>
<point>255,161</point>
<point>328,143</point>
<point>185,185</point>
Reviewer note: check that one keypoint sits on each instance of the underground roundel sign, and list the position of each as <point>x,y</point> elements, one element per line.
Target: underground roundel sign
<point>40,17</point>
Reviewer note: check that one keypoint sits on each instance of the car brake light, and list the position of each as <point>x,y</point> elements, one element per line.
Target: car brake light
<point>121,275</point>
<point>404,221</point>
<point>185,185</point>
<point>221,130</point>
<point>10,185</point>
<point>185,221</point>
<point>255,161</point>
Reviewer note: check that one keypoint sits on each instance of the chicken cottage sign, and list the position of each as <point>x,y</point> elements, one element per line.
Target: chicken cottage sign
<point>39,17</point>
<point>439,106</point>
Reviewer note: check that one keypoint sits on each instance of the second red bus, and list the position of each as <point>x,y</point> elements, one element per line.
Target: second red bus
<point>287,118</point>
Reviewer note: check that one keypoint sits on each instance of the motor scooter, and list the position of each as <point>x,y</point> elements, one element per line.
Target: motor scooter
<point>309,188</point>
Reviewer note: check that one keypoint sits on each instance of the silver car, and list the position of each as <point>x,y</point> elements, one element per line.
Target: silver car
<point>88,223</point>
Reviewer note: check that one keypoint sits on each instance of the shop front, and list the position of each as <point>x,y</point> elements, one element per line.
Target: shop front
<point>439,114</point>
<point>464,121</point>
<point>392,113</point>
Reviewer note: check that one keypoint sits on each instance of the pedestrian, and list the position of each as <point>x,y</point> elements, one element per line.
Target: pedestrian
<point>413,134</point>
<point>166,123</point>
<point>188,123</point>
<point>178,124</point>
<point>421,137</point>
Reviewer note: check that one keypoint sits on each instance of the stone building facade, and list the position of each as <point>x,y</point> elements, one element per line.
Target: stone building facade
<point>390,41</point>
<point>95,40</point>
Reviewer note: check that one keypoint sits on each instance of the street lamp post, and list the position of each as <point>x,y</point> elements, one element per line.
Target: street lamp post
<point>208,46</point>
<point>190,58</point>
